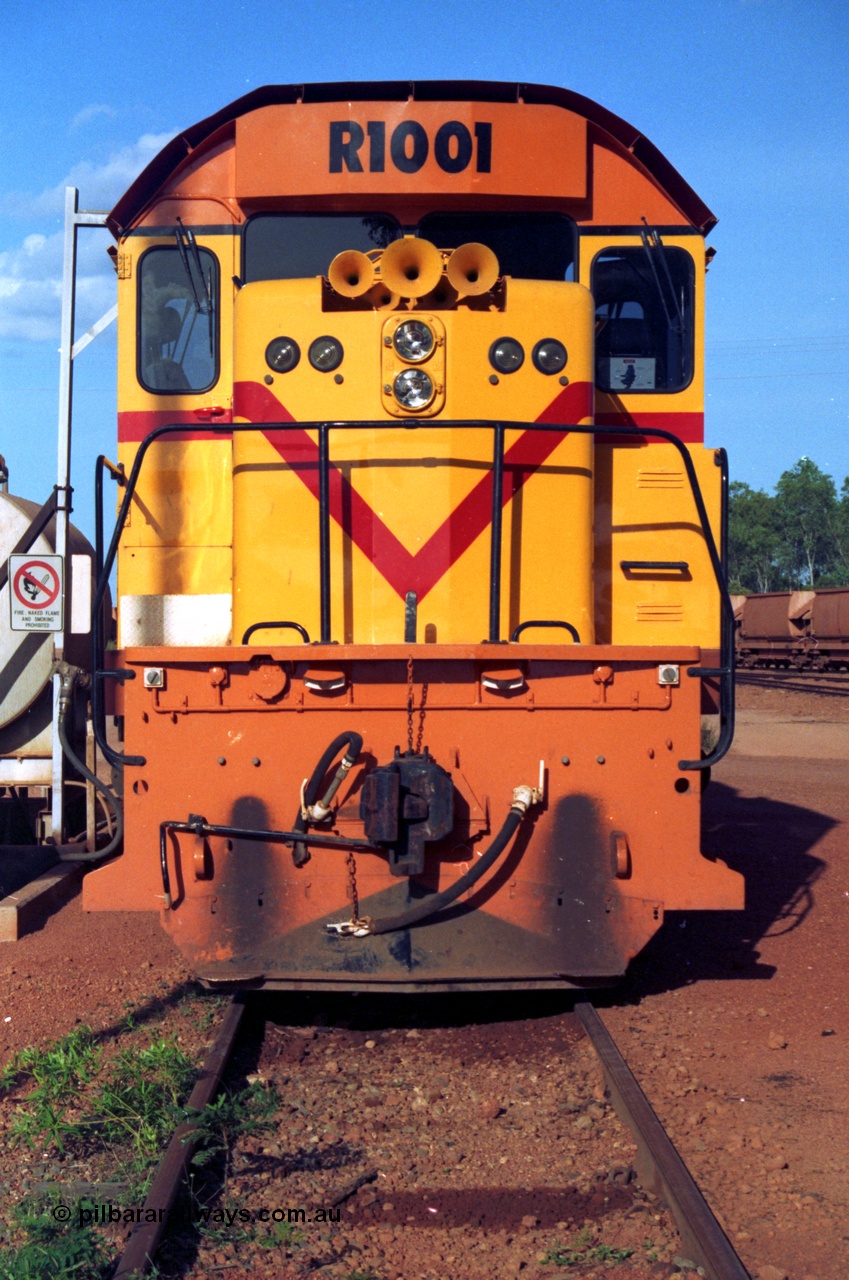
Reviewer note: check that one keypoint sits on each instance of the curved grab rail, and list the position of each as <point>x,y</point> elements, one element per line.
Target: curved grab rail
<point>268,626</point>
<point>546,622</point>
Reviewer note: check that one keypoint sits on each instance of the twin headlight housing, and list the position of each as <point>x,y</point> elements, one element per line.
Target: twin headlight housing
<point>413,364</point>
<point>549,355</point>
<point>325,354</point>
<point>413,341</point>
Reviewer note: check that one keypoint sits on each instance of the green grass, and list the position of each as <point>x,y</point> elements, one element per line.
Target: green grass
<point>282,1235</point>
<point>51,1250</point>
<point>233,1116</point>
<point>129,1105</point>
<point>581,1251</point>
<point>140,1104</point>
<point>117,1105</point>
<point>59,1073</point>
<point>72,1098</point>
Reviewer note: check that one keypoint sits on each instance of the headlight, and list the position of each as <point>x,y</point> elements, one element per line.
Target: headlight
<point>326,354</point>
<point>506,355</point>
<point>413,389</point>
<point>282,354</point>
<point>549,356</point>
<point>413,341</point>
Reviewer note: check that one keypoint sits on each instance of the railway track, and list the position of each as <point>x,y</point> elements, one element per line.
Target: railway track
<point>790,676</point>
<point>825,689</point>
<point>657,1165</point>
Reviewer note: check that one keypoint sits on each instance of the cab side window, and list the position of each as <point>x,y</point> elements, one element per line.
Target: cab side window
<point>178,330</point>
<point>643,318</point>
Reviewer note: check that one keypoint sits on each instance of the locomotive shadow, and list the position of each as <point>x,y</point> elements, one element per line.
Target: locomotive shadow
<point>769,843</point>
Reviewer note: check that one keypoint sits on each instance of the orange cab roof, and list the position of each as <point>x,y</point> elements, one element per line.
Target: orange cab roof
<point>188,140</point>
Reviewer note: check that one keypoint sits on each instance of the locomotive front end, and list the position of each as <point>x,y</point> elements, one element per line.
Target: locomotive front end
<point>419,587</point>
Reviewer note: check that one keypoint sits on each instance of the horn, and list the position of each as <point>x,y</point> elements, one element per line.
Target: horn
<point>381,297</point>
<point>472,269</point>
<point>411,267</point>
<point>351,273</point>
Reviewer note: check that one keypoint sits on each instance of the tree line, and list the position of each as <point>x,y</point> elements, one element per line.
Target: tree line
<point>797,537</point>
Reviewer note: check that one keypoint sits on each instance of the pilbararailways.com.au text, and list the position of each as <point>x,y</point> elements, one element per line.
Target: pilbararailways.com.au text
<point>196,1215</point>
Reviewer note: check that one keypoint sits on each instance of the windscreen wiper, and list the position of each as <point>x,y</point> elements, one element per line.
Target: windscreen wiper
<point>653,246</point>
<point>203,304</point>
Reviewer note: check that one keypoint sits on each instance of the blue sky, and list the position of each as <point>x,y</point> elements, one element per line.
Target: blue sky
<point>747,98</point>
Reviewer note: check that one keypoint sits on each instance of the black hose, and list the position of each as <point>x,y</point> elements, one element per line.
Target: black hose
<point>354,743</point>
<point>429,906</point>
<point>96,855</point>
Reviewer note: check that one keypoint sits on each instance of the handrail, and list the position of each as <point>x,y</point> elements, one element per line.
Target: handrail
<point>725,671</point>
<point>276,626</point>
<point>546,622</point>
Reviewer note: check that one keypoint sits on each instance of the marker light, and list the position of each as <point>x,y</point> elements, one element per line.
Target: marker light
<point>413,341</point>
<point>506,355</point>
<point>549,356</point>
<point>413,389</point>
<point>282,354</point>
<point>326,354</point>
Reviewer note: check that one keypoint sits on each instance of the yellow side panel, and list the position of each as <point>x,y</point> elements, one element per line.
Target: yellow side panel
<point>184,495</point>
<point>172,571</point>
<point>645,512</point>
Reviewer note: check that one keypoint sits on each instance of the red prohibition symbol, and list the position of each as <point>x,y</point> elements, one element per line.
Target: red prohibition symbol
<point>36,584</point>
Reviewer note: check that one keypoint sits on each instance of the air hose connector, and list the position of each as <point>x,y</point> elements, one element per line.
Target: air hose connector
<point>523,798</point>
<point>311,808</point>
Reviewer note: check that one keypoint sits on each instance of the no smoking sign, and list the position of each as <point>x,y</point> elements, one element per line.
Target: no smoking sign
<point>36,596</point>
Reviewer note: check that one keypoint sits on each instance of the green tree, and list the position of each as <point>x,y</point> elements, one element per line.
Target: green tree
<point>754,539</point>
<point>807,517</point>
<point>840,573</point>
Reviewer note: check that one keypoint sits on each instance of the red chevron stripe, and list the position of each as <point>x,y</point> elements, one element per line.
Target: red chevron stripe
<point>403,570</point>
<point>135,424</point>
<point>688,427</point>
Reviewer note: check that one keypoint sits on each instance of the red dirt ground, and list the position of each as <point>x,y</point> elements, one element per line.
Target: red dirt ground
<point>736,1025</point>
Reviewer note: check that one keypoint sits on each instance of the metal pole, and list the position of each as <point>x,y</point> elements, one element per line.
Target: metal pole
<point>73,219</point>
<point>66,382</point>
<point>324,529</point>
<point>495,553</point>
<point>63,476</point>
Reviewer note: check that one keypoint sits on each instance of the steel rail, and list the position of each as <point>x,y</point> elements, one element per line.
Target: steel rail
<point>138,1256</point>
<point>660,1167</point>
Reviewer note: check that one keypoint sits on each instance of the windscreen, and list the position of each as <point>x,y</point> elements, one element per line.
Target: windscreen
<point>529,246</point>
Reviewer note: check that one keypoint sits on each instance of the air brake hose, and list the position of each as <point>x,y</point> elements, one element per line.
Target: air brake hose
<point>68,677</point>
<point>429,906</point>
<point>354,743</point>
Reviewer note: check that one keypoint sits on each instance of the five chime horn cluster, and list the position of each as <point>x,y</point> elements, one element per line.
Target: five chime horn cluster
<point>411,268</point>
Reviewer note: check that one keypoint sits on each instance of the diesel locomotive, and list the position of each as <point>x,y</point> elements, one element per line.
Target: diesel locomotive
<point>421,601</point>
